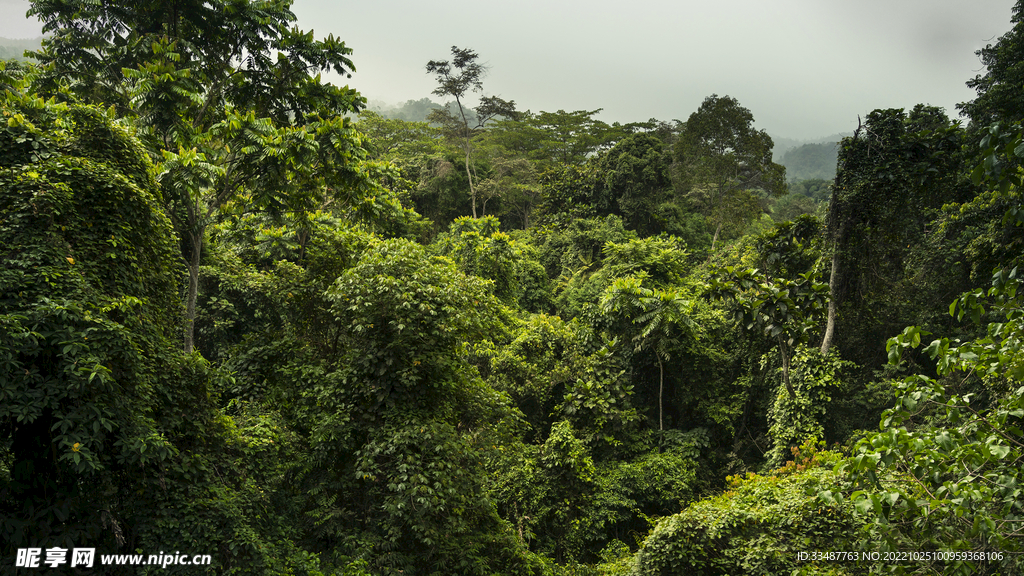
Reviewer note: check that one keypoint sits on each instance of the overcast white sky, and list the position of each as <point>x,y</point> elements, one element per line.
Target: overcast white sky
<point>805,68</point>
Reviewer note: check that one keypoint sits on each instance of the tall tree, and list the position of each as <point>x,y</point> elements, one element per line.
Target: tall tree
<point>633,181</point>
<point>892,172</point>
<point>456,78</point>
<point>405,423</point>
<point>229,100</point>
<point>243,53</point>
<point>999,89</point>
<point>724,160</point>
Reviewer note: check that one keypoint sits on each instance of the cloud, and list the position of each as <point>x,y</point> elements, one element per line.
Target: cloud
<point>14,24</point>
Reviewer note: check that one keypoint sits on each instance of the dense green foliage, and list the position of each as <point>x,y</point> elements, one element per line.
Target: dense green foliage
<point>488,341</point>
<point>758,526</point>
<point>111,436</point>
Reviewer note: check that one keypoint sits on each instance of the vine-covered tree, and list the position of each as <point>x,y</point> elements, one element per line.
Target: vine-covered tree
<point>892,172</point>
<point>109,434</point>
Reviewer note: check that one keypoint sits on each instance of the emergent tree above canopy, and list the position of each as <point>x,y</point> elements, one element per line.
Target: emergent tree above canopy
<point>469,78</point>
<point>724,159</point>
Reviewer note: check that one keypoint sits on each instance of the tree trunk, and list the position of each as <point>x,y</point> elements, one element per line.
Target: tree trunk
<point>661,388</point>
<point>716,209</point>
<point>472,191</point>
<point>785,368</point>
<point>715,239</point>
<point>193,290</point>
<point>830,324</point>
<point>467,135</point>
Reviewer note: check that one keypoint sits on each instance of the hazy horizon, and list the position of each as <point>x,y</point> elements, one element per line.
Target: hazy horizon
<point>804,68</point>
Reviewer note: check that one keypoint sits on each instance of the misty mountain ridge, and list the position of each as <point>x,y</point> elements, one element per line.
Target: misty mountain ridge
<point>783,145</point>
<point>410,110</point>
<point>14,48</point>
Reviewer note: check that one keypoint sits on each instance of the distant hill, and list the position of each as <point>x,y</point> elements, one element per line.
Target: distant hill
<point>14,49</point>
<point>783,145</point>
<point>410,111</point>
<point>811,161</point>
